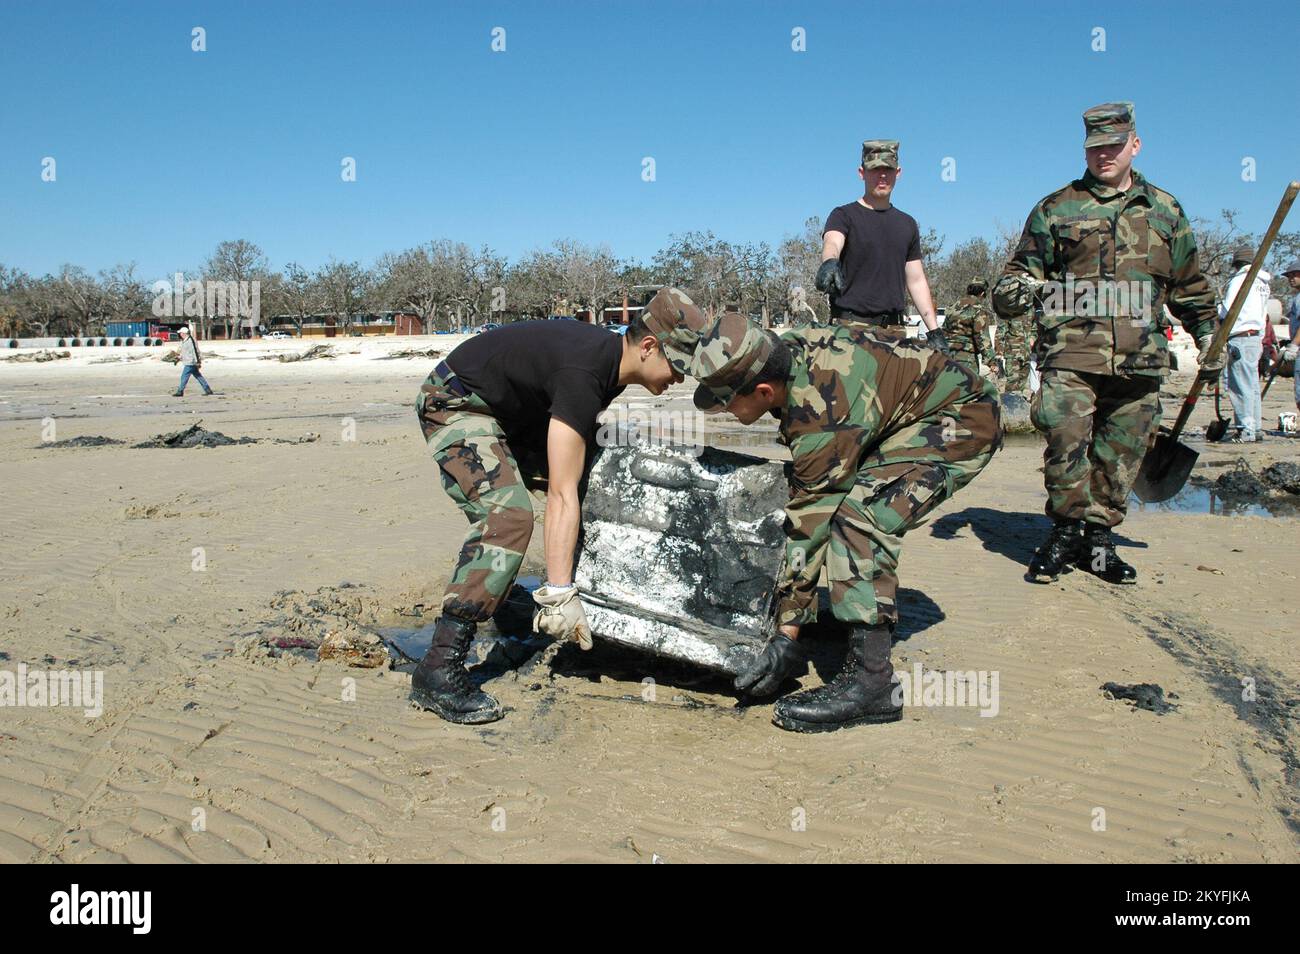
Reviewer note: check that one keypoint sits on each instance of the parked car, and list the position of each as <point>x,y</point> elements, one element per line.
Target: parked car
<point>276,334</point>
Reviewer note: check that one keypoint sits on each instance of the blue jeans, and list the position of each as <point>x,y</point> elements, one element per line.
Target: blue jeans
<point>1241,377</point>
<point>192,370</point>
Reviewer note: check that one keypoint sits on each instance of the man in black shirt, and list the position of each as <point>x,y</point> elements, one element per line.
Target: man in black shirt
<point>507,410</point>
<point>871,254</point>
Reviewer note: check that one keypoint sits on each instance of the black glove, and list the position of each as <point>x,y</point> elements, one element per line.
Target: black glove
<point>830,278</point>
<point>938,341</point>
<point>781,658</point>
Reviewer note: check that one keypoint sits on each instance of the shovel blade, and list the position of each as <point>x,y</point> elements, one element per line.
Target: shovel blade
<point>1164,469</point>
<point>1216,430</point>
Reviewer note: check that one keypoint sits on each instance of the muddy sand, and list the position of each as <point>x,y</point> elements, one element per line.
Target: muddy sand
<point>171,570</point>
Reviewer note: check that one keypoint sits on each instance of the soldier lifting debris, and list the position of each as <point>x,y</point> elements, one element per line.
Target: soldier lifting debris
<point>511,409</point>
<point>1099,260</point>
<point>881,432</point>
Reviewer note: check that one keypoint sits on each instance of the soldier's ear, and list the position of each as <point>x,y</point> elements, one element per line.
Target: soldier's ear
<point>1137,144</point>
<point>862,173</point>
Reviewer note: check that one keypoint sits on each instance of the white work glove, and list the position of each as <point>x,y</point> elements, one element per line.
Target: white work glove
<point>1215,366</point>
<point>1290,351</point>
<point>560,614</point>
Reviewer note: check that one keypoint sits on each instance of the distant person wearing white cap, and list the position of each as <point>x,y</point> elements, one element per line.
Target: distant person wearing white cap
<point>1245,344</point>
<point>191,361</point>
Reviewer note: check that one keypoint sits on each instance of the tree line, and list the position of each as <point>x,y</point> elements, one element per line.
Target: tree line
<point>448,284</point>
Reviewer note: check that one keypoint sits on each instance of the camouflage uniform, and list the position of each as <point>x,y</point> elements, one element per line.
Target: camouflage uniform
<point>481,474</point>
<point>489,480</point>
<point>1014,345</point>
<point>1102,354</point>
<point>880,433</point>
<point>967,330</point>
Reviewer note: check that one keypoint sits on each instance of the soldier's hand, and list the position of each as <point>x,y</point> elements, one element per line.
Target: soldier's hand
<point>1289,352</point>
<point>560,614</point>
<point>780,659</point>
<point>1211,368</point>
<point>938,341</point>
<point>830,278</point>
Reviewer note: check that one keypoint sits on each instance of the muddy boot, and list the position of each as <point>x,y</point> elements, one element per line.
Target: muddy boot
<point>1058,553</point>
<point>441,684</point>
<point>1099,558</point>
<point>862,693</point>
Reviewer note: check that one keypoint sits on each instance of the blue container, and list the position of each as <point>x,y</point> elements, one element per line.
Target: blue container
<point>128,329</point>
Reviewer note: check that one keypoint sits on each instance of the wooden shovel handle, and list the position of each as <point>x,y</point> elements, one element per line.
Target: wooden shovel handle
<point>1225,330</point>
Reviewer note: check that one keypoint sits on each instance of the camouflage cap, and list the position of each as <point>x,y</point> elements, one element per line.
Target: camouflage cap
<point>977,287</point>
<point>1108,124</point>
<point>880,154</point>
<point>731,353</point>
<point>1243,255</point>
<point>677,323</point>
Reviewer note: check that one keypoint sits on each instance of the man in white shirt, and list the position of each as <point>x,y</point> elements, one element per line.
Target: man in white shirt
<point>1245,345</point>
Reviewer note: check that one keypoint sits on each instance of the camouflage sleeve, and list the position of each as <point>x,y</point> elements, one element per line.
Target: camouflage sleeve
<point>1190,298</point>
<point>1030,265</point>
<point>825,467</point>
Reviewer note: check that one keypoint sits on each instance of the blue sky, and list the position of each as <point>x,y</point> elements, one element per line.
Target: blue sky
<point>163,152</point>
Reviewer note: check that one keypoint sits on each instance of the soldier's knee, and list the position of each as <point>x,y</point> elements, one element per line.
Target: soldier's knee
<point>510,528</point>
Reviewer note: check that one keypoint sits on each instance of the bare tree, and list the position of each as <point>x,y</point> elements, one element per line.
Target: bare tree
<point>299,294</point>
<point>237,261</point>
<point>83,299</point>
<point>345,286</point>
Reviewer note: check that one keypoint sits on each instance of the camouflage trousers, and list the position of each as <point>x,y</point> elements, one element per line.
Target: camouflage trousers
<point>857,323</point>
<point>1098,428</point>
<point>481,473</point>
<point>966,358</point>
<point>867,530</point>
<point>1015,344</point>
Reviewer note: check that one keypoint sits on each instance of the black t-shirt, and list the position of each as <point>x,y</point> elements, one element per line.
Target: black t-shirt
<point>876,247</point>
<point>531,371</point>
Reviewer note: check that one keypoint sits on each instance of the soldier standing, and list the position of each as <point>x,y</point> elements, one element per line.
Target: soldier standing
<point>1014,345</point>
<point>967,327</point>
<point>871,254</point>
<point>880,434</point>
<point>512,409</point>
<point>1102,256</point>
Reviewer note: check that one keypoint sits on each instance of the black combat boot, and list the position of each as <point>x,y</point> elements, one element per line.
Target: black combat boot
<point>1099,558</point>
<point>862,693</point>
<point>441,684</point>
<point>1058,553</point>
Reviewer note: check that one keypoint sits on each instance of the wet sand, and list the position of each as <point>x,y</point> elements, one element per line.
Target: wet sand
<point>97,570</point>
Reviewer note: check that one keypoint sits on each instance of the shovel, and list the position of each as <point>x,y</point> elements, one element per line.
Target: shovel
<point>1169,463</point>
<point>1219,426</point>
<point>1277,366</point>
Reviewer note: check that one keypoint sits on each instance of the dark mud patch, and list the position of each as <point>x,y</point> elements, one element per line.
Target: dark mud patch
<point>1143,695</point>
<point>1242,482</point>
<point>197,436</point>
<point>88,440</point>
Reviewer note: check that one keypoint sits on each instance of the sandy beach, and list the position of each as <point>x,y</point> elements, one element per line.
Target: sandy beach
<point>154,565</point>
